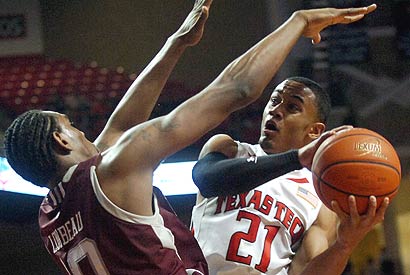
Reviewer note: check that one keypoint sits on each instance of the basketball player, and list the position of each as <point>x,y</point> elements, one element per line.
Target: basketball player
<point>102,214</point>
<point>85,227</point>
<point>257,211</point>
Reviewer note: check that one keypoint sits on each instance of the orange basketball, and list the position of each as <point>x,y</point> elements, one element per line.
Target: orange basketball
<point>356,162</point>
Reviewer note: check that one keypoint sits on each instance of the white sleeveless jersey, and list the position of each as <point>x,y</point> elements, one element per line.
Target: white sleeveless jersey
<point>256,232</point>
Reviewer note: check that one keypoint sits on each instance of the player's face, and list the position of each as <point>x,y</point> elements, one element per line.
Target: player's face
<point>288,118</point>
<point>76,138</point>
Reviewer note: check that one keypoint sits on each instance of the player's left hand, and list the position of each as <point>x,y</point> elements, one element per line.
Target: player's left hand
<point>318,19</point>
<point>192,28</point>
<point>354,227</point>
<point>307,152</point>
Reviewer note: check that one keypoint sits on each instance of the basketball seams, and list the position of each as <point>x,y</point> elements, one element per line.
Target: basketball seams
<point>320,180</point>
<point>324,169</point>
<point>318,187</point>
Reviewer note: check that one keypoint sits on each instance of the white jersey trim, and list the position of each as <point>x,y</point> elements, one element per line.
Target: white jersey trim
<point>155,221</point>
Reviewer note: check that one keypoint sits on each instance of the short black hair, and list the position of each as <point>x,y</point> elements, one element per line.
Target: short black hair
<point>323,102</point>
<point>28,144</point>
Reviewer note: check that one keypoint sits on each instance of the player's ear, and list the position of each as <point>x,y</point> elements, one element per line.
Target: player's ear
<point>316,130</point>
<point>61,143</point>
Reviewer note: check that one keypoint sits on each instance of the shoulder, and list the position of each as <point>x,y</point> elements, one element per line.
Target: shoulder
<point>220,143</point>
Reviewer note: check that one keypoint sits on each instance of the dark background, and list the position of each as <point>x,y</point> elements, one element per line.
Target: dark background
<point>129,33</point>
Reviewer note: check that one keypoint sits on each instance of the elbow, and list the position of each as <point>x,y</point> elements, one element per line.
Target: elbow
<point>245,78</point>
<point>201,180</point>
<point>246,91</point>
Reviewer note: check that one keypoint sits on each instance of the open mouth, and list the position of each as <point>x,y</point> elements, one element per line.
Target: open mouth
<point>271,126</point>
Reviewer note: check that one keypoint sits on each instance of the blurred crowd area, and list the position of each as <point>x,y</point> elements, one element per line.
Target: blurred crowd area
<point>88,94</point>
<point>382,265</point>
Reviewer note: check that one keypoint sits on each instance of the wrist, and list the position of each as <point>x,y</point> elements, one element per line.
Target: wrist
<point>176,42</point>
<point>343,247</point>
<point>175,46</point>
<point>300,18</point>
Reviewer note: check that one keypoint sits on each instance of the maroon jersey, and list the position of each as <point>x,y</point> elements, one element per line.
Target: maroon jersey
<point>87,234</point>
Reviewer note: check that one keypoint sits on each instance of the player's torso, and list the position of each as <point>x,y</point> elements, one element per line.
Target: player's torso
<point>256,232</point>
<point>86,233</point>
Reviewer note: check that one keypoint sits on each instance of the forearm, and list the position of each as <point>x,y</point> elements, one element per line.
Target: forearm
<point>216,175</point>
<point>331,261</point>
<point>241,83</point>
<point>256,67</point>
<point>138,102</point>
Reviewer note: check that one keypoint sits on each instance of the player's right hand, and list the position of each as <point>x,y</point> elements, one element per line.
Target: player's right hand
<point>318,19</point>
<point>353,227</point>
<point>192,28</point>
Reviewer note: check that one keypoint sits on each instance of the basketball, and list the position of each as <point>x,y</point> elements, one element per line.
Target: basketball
<point>357,162</point>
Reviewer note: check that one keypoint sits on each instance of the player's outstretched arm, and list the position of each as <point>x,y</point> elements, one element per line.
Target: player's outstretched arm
<point>211,172</point>
<point>244,80</point>
<point>137,104</point>
<point>324,251</point>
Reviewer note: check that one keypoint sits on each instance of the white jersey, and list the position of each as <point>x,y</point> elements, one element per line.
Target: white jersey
<point>256,232</point>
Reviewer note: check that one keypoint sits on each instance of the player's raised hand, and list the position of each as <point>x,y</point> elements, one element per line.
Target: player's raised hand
<point>192,28</point>
<point>353,227</point>
<point>318,19</point>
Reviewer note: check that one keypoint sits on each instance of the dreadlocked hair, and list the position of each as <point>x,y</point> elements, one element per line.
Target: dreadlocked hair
<point>28,145</point>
